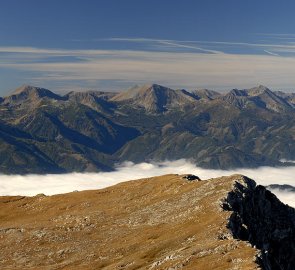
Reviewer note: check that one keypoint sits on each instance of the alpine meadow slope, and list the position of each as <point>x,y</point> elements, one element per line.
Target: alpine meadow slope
<point>43,132</point>
<point>164,222</point>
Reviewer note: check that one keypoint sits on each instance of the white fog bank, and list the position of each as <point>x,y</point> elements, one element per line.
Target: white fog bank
<point>49,184</point>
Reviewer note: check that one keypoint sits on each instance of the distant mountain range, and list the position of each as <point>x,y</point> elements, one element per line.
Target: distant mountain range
<point>43,132</point>
<point>284,187</point>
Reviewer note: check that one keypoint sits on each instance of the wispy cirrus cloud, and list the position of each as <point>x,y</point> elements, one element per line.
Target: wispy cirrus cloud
<point>230,47</point>
<point>168,44</point>
<point>278,36</point>
<point>271,53</point>
<point>178,64</point>
<point>197,48</point>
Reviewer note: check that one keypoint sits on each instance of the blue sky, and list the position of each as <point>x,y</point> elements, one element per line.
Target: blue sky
<point>111,45</point>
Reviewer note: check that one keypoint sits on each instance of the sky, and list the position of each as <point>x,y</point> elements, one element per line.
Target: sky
<point>31,185</point>
<point>112,45</point>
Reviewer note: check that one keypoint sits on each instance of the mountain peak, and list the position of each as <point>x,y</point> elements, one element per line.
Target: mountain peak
<point>258,90</point>
<point>262,87</point>
<point>23,88</point>
<point>153,85</point>
<point>138,91</point>
<point>237,92</point>
<point>32,93</point>
<point>154,98</point>
<point>204,93</point>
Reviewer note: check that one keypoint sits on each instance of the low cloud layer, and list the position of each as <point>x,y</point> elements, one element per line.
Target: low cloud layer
<point>50,184</point>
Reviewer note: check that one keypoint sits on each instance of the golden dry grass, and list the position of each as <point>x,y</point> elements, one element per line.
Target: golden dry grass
<point>163,222</point>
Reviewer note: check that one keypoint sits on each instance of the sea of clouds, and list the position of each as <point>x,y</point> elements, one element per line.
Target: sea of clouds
<point>50,184</point>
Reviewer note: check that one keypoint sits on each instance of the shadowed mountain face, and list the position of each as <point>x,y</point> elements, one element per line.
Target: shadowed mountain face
<point>165,222</point>
<point>41,131</point>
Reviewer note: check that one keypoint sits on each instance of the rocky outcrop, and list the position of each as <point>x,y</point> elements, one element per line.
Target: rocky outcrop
<point>260,218</point>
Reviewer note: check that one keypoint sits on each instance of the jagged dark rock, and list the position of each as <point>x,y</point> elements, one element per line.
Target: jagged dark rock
<point>260,218</point>
<point>191,177</point>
